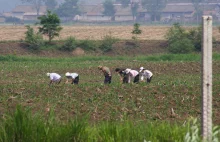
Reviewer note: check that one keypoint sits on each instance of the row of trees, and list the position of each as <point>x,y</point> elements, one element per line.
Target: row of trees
<point>70,8</point>
<point>50,26</point>
<point>179,40</point>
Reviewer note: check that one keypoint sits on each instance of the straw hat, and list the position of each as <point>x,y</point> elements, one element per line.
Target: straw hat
<point>48,74</point>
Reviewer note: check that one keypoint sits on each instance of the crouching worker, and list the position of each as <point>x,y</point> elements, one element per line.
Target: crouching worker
<point>132,74</point>
<point>122,74</point>
<point>107,73</point>
<point>54,78</point>
<point>148,75</point>
<point>73,76</point>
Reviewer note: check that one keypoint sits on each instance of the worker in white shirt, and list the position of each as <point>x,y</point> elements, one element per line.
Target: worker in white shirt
<point>148,75</point>
<point>54,78</point>
<point>132,74</point>
<point>73,76</point>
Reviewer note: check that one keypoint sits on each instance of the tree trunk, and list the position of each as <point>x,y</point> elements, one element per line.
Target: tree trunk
<point>38,11</point>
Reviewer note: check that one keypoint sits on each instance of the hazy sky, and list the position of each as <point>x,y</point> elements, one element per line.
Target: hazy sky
<point>8,5</point>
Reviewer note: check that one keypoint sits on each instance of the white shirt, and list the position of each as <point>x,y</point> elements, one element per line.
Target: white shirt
<point>74,75</point>
<point>54,76</point>
<point>146,74</point>
<point>132,74</point>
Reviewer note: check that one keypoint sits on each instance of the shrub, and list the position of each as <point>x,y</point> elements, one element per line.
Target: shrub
<point>107,43</point>
<point>193,133</point>
<point>69,44</point>
<point>177,33</point>
<point>87,45</point>
<point>136,31</point>
<point>195,35</point>
<point>181,46</point>
<point>178,40</point>
<point>33,40</point>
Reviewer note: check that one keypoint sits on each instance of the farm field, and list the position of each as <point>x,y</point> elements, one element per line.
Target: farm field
<point>95,32</point>
<point>163,107</point>
<point>176,85</point>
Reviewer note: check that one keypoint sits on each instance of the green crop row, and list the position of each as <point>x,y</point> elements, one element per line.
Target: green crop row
<point>176,86</point>
<point>156,58</point>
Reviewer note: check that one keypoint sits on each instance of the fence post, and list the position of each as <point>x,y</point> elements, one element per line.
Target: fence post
<point>207,79</point>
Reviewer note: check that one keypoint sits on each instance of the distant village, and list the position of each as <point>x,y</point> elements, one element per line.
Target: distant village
<point>94,13</point>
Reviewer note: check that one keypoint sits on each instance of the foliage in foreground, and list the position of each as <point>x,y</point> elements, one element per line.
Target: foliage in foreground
<point>193,133</point>
<point>22,126</point>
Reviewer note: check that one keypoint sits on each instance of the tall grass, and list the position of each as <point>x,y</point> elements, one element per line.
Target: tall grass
<point>22,126</point>
<point>162,57</point>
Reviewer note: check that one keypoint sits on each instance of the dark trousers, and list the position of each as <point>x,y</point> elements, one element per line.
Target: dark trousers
<point>149,79</point>
<point>108,79</point>
<point>76,80</point>
<point>125,79</point>
<point>136,79</point>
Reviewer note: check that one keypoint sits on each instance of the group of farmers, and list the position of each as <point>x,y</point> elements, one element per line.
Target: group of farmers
<point>126,75</point>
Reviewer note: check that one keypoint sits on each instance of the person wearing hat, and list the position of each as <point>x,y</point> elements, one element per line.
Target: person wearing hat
<point>73,76</point>
<point>107,73</point>
<point>122,74</point>
<point>132,74</point>
<point>54,77</point>
<point>146,74</point>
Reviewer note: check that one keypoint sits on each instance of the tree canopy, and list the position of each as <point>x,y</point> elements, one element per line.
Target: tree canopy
<point>154,7</point>
<point>198,8</point>
<point>51,4</point>
<point>125,3</point>
<point>50,25</point>
<point>134,8</point>
<point>68,9</point>
<point>109,9</point>
<point>36,3</point>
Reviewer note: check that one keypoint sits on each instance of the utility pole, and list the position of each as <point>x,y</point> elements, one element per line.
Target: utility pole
<point>207,79</point>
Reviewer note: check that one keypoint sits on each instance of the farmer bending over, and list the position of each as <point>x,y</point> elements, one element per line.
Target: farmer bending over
<point>54,78</point>
<point>122,74</point>
<point>148,75</point>
<point>107,73</point>
<point>73,76</point>
<point>132,74</point>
